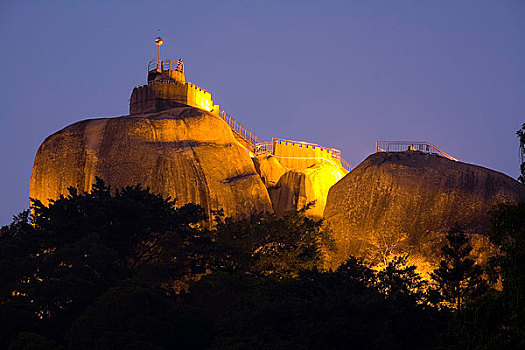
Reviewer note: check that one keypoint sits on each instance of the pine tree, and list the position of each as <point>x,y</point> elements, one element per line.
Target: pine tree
<point>458,277</point>
<point>399,280</point>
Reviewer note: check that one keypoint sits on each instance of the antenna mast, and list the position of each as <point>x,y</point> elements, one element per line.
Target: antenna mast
<point>158,42</point>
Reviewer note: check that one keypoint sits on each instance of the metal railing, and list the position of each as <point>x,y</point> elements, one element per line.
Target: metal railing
<point>402,146</point>
<point>346,165</point>
<point>240,130</point>
<point>263,147</point>
<point>165,64</point>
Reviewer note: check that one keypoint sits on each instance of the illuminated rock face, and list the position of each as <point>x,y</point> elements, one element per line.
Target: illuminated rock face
<point>185,153</point>
<point>297,173</point>
<point>270,169</point>
<point>298,187</point>
<point>405,202</point>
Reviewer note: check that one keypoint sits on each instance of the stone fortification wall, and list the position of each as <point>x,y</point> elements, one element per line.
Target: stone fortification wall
<point>158,96</point>
<point>297,155</point>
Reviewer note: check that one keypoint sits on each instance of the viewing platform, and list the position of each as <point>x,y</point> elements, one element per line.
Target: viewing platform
<point>166,69</point>
<point>402,146</point>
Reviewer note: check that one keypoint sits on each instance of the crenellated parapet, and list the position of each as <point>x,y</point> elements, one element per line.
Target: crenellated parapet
<point>167,88</point>
<point>300,154</point>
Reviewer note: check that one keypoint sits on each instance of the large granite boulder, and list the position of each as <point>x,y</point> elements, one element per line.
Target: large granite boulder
<point>185,153</point>
<point>400,202</point>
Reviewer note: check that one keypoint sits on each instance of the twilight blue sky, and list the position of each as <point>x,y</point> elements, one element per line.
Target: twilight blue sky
<point>339,73</point>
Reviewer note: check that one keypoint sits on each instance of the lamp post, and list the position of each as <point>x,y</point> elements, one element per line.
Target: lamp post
<point>158,42</point>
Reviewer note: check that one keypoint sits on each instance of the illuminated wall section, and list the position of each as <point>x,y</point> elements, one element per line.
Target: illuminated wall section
<point>296,155</point>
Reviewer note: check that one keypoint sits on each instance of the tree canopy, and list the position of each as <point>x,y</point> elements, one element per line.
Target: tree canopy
<point>125,268</point>
<point>57,261</point>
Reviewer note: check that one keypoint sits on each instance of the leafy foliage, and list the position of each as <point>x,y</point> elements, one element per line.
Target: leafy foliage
<point>131,314</point>
<point>263,244</point>
<point>54,266</point>
<point>26,340</point>
<point>315,310</point>
<point>398,280</point>
<point>508,231</point>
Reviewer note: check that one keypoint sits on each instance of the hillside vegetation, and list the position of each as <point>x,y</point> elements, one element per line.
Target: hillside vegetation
<point>126,269</point>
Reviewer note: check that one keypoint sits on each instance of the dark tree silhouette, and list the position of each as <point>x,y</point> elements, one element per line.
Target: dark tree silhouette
<point>398,280</point>
<point>508,232</point>
<point>132,315</point>
<point>53,266</point>
<point>521,136</point>
<point>263,244</point>
<point>458,277</point>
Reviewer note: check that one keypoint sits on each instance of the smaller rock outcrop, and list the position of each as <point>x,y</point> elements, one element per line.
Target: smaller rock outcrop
<point>406,202</point>
<point>298,172</point>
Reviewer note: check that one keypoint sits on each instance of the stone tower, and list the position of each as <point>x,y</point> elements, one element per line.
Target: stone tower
<point>167,88</point>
